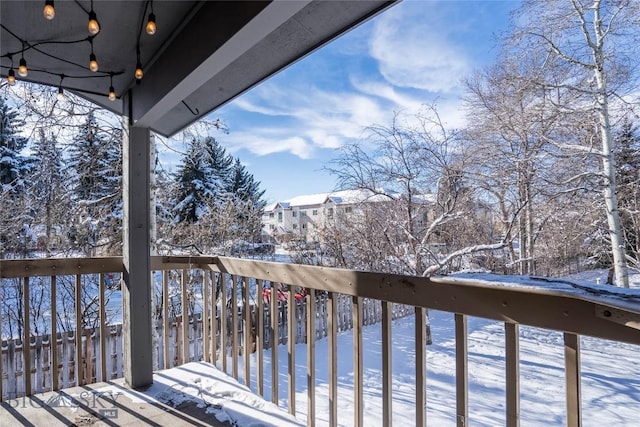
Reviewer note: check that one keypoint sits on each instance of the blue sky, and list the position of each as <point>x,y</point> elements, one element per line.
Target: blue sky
<point>416,52</point>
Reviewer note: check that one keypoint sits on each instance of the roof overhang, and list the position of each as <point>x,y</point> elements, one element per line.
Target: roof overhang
<point>204,53</point>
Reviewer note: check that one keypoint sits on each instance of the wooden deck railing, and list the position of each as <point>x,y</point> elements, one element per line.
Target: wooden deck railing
<point>224,279</point>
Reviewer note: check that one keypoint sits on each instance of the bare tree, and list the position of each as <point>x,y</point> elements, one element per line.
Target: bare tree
<point>590,49</point>
<point>420,201</point>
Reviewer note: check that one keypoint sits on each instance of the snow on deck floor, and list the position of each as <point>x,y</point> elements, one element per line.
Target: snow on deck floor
<point>221,395</point>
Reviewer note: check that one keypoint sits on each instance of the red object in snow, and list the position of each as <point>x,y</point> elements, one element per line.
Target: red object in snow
<point>282,294</point>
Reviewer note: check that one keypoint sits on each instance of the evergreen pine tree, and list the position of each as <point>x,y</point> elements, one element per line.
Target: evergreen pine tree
<point>16,214</point>
<point>628,176</point>
<point>49,191</point>
<point>217,201</point>
<point>244,186</point>
<point>95,161</point>
<point>13,165</point>
<point>201,178</point>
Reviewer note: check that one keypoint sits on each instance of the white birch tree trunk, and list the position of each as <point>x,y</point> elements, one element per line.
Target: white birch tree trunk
<point>608,159</point>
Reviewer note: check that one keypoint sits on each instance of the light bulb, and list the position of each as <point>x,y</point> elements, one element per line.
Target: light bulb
<point>151,24</point>
<point>11,77</point>
<point>60,93</point>
<point>93,63</point>
<point>139,73</point>
<point>49,12</point>
<point>112,94</point>
<point>22,69</point>
<point>93,25</point>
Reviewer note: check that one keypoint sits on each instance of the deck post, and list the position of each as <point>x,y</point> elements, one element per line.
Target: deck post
<point>136,289</point>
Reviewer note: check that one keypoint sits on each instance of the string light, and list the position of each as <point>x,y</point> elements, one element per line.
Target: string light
<point>93,62</point>
<point>139,73</point>
<point>93,26</point>
<point>49,12</point>
<point>60,90</point>
<point>151,24</point>
<point>11,77</point>
<point>22,68</point>
<point>112,91</point>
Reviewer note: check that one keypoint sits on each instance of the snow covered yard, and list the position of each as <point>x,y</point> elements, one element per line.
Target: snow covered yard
<point>610,379</point>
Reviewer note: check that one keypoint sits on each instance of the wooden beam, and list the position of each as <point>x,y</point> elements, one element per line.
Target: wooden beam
<point>12,268</point>
<point>528,306</point>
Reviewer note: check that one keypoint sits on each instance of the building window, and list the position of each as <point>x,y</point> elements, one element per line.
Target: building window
<point>304,226</point>
<point>348,209</point>
<point>279,216</point>
<point>272,215</point>
<point>295,226</point>
<point>272,227</point>
<point>330,213</point>
<point>314,212</point>
<point>294,214</point>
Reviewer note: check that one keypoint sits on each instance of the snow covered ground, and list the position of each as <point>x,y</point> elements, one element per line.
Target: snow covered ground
<point>610,379</point>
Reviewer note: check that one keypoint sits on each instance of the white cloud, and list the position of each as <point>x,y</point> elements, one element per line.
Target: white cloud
<point>263,142</point>
<point>305,119</point>
<point>414,49</point>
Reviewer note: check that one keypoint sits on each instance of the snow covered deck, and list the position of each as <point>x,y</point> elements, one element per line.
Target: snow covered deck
<point>192,394</point>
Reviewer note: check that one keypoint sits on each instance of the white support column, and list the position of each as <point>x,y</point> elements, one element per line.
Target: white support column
<point>136,292</point>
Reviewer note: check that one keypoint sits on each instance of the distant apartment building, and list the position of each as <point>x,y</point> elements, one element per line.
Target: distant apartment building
<point>302,218</point>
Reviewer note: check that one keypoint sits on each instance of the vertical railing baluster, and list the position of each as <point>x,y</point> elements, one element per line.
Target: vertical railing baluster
<point>275,341</point>
<point>215,279</point>
<point>246,325</point>
<point>421,366</point>
<point>1,391</point>
<point>462,382</point>
<point>512,361</point>
<point>234,326</point>
<point>78,334</point>
<point>291,350</point>
<point>103,329</point>
<point>54,335</point>
<point>311,357</point>
<point>333,358</point>
<point>260,337</point>
<point>223,321</point>
<point>387,379</point>
<point>205,316</point>
<point>165,319</point>
<point>358,406</point>
<point>185,317</point>
<point>26,339</point>
<point>572,379</point>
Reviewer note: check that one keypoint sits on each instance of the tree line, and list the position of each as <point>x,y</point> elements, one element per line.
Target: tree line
<point>65,197</point>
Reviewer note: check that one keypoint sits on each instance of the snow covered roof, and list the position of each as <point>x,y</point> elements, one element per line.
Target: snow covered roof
<point>337,197</point>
